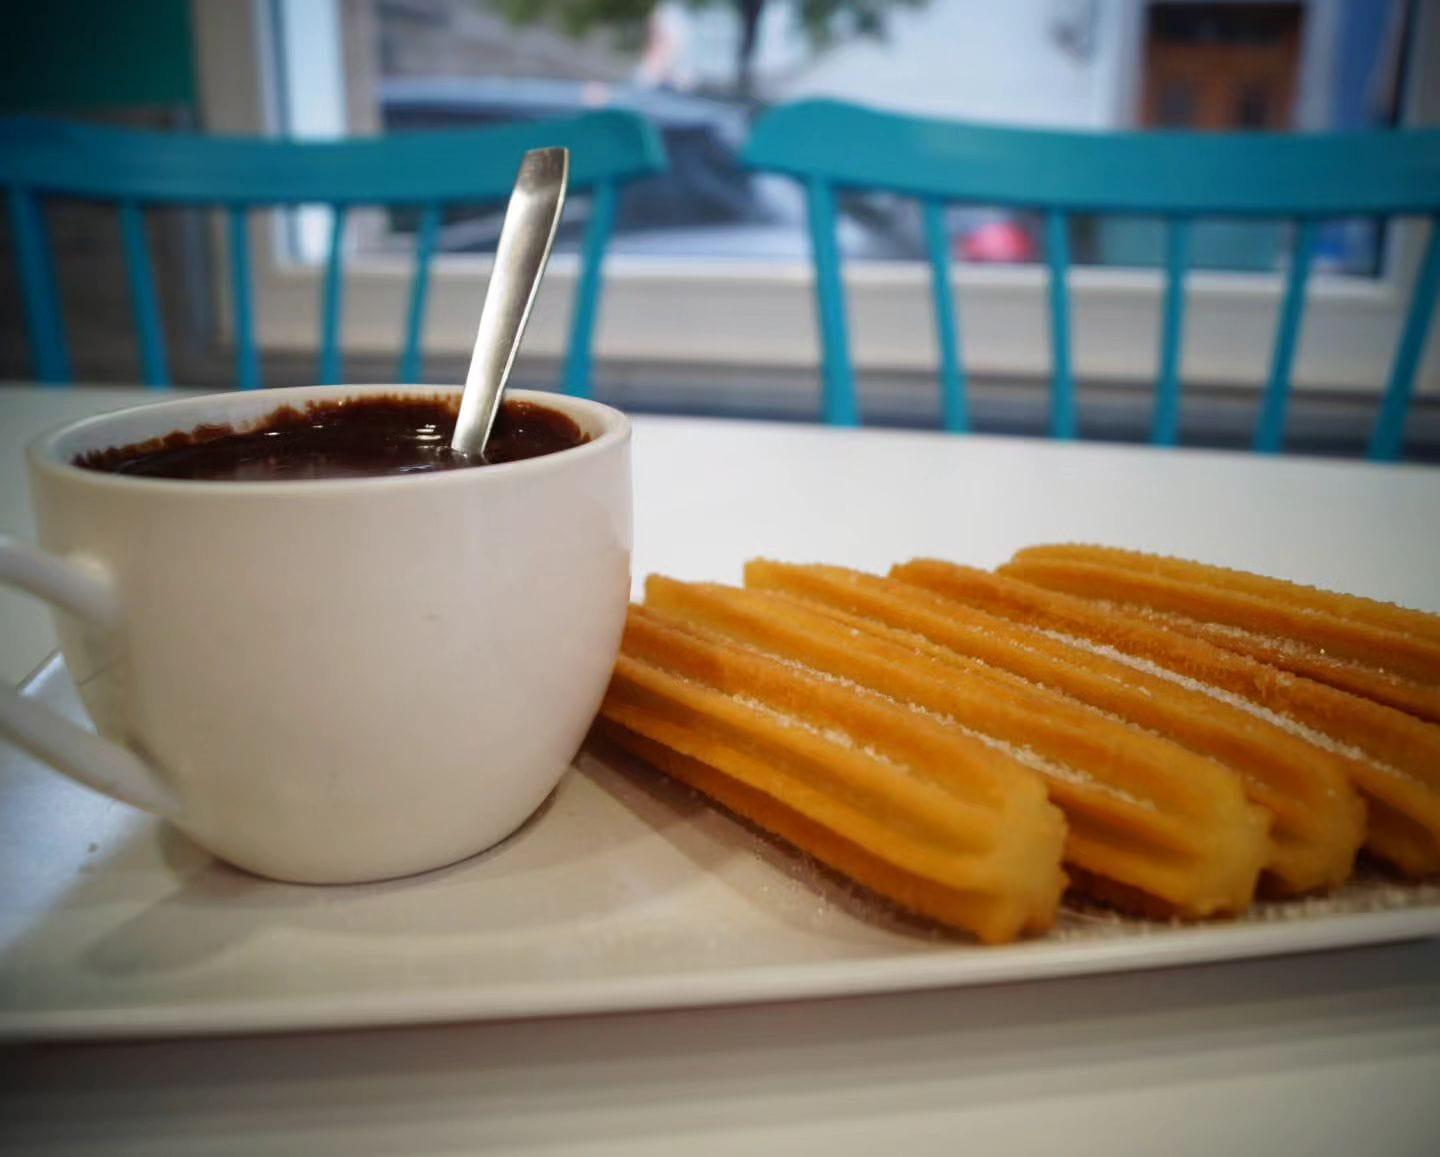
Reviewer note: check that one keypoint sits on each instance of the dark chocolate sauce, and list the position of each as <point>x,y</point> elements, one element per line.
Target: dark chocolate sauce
<point>356,438</point>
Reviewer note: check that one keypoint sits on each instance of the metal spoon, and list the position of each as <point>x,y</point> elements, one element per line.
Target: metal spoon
<point>520,257</point>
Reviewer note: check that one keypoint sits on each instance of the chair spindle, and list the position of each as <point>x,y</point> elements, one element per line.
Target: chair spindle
<point>838,400</point>
<point>331,368</point>
<point>429,230</point>
<point>247,357</point>
<point>576,378</point>
<point>953,409</point>
<point>1165,429</point>
<point>43,322</point>
<point>148,323</point>
<point>1064,421</point>
<point>1389,433</point>
<point>1270,434</point>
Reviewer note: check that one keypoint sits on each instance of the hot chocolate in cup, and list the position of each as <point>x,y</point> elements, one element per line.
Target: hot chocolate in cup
<point>328,679</point>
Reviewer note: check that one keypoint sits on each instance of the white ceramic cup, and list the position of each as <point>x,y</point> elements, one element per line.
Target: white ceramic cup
<point>328,681</point>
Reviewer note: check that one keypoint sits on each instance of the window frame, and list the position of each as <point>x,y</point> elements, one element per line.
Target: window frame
<point>662,312</point>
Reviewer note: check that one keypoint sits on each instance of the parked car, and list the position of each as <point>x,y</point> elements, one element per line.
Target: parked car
<point>705,205</point>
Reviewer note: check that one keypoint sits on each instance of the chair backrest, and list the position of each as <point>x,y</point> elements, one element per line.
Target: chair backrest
<point>425,170</point>
<point>830,146</point>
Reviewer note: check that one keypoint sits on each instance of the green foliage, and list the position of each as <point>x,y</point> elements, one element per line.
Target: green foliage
<point>578,17</point>
<point>825,20</point>
<point>828,20</point>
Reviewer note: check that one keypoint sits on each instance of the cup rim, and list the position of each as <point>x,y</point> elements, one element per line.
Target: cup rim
<point>44,456</point>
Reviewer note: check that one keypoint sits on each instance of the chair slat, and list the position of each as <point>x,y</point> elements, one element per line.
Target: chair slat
<point>1270,433</point>
<point>1177,177</point>
<point>1389,433</point>
<point>838,400</point>
<point>577,378</point>
<point>43,322</point>
<point>953,409</point>
<point>1064,422</point>
<point>1165,429</point>
<point>410,361</point>
<point>1321,175</point>
<point>609,149</point>
<point>330,366</point>
<point>247,357</point>
<point>470,164</point>
<point>148,323</point>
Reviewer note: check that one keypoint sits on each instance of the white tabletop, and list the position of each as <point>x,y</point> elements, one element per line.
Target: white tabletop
<point>1336,1052</point>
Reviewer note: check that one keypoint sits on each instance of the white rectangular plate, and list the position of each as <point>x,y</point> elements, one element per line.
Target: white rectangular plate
<point>626,892</point>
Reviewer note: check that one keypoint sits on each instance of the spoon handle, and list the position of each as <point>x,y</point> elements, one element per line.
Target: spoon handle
<point>525,240</point>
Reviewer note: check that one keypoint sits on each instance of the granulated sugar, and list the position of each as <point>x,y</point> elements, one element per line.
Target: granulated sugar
<point>1220,694</point>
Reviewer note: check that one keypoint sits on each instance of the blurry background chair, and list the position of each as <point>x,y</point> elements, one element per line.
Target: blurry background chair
<point>421,173</point>
<point>831,148</point>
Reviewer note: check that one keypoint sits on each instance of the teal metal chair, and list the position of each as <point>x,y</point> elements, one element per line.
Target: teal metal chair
<point>830,147</point>
<point>135,170</point>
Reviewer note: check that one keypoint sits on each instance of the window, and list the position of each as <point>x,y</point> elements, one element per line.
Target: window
<point>709,240</point>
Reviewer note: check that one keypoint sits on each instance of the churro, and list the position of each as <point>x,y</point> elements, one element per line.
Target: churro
<point>1392,757</point>
<point>1378,650</point>
<point>1169,830</point>
<point>925,815</point>
<point>1318,822</point>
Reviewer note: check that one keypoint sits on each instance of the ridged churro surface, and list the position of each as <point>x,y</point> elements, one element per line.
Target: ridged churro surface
<point>1391,757</point>
<point>1318,822</point>
<point>933,819</point>
<point>1141,811</point>
<point>1296,596</point>
<point>1368,648</point>
<point>1180,737</point>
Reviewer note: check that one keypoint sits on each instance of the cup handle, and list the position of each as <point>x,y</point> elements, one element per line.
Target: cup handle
<point>84,590</point>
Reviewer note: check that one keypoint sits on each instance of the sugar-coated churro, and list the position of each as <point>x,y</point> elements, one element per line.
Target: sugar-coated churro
<point>1177,735</point>
<point>1149,816</point>
<point>1296,596</point>
<point>1377,650</point>
<point>1318,821</point>
<point>812,830</point>
<point>1392,757</point>
<point>933,819</point>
